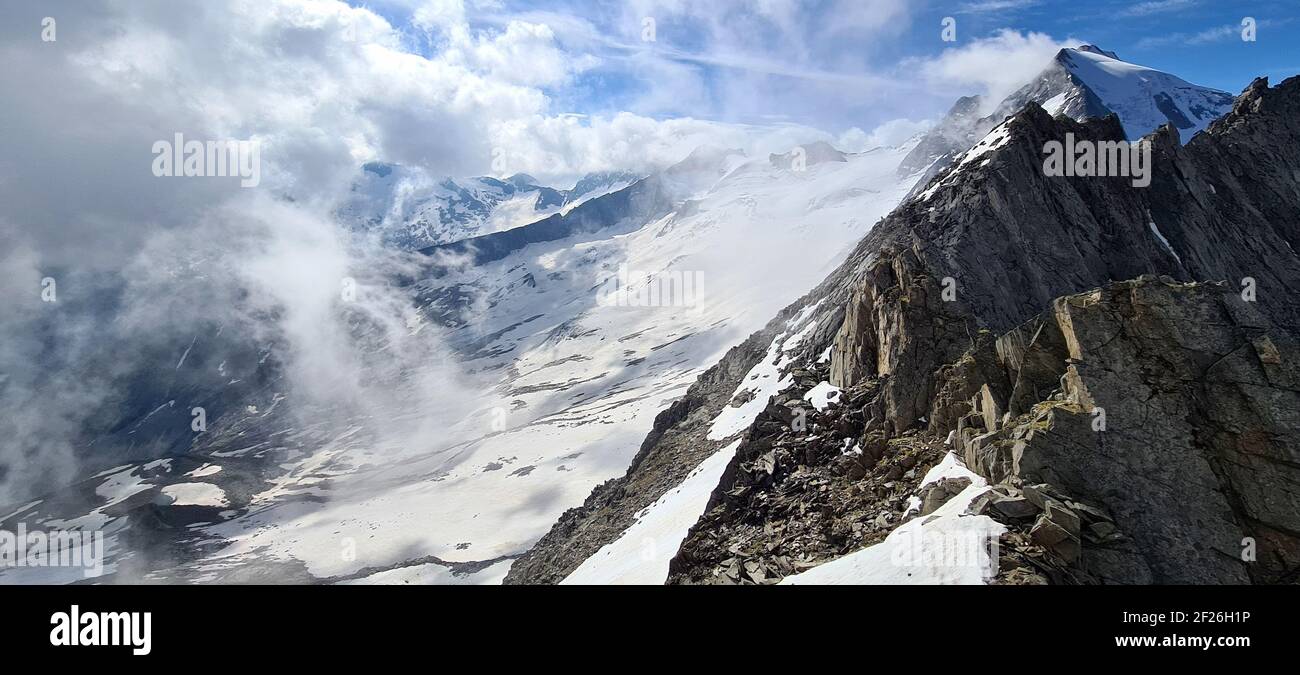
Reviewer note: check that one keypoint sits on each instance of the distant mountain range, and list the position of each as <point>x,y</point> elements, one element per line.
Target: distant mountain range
<point>410,210</point>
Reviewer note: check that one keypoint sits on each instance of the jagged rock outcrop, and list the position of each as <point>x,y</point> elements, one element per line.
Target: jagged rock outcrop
<point>1158,448</point>
<point>798,497</point>
<point>957,319</point>
<point>1178,409</point>
<point>896,324</point>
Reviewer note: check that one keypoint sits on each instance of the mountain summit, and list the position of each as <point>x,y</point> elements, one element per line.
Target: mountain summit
<point>1144,98</point>
<point>1080,82</point>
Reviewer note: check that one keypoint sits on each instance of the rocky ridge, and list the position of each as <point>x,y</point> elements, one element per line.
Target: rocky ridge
<point>957,323</point>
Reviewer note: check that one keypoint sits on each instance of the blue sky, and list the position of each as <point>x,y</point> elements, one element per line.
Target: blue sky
<point>1199,40</point>
<point>836,64</point>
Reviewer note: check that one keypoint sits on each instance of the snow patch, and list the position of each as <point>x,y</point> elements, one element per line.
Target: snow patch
<point>1055,104</point>
<point>430,574</point>
<point>1160,235</point>
<point>950,467</point>
<point>762,382</point>
<point>823,395</point>
<point>998,137</point>
<point>195,494</point>
<point>205,470</point>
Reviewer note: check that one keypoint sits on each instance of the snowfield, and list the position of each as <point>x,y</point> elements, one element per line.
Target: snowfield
<point>194,494</point>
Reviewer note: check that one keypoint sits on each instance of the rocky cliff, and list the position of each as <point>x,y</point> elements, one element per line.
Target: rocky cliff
<point>1143,432</point>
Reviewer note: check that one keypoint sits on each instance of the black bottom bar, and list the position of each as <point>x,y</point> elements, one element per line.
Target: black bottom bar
<point>553,626</point>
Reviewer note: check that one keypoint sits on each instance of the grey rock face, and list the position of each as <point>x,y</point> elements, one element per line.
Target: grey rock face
<point>1171,417</point>
<point>941,492</point>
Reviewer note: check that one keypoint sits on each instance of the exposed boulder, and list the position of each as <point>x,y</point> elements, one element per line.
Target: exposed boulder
<point>939,493</point>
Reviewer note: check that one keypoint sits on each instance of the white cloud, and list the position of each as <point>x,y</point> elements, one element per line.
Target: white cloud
<point>891,133</point>
<point>145,264</point>
<point>324,87</point>
<point>1223,33</point>
<point>1207,36</point>
<point>527,54</point>
<point>995,66</point>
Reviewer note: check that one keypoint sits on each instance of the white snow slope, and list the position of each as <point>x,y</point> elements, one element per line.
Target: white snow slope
<point>641,555</point>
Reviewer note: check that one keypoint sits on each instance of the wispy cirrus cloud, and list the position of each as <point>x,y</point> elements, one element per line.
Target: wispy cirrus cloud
<point>1216,34</point>
<point>1212,35</point>
<point>1158,7</point>
<point>991,6</point>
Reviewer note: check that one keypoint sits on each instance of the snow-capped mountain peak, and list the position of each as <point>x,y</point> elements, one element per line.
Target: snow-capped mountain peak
<point>1144,98</point>
<point>1094,49</point>
<point>1080,82</point>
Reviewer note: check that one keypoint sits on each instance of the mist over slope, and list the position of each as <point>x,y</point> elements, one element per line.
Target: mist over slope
<point>513,378</point>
